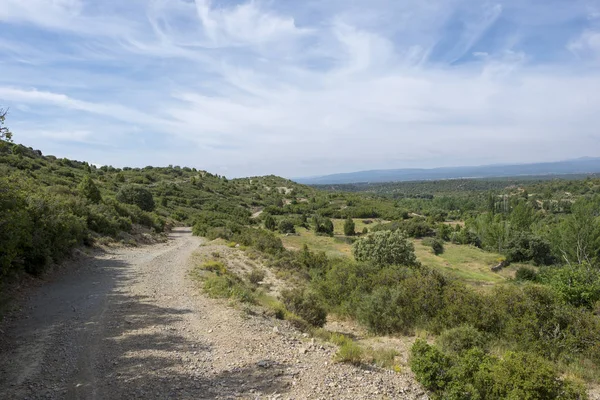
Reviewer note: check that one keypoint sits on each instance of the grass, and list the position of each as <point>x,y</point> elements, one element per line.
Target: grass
<point>329,245</point>
<point>359,224</point>
<point>467,263</point>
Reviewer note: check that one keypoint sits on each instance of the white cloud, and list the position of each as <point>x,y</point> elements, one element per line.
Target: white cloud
<point>299,88</point>
<point>587,45</point>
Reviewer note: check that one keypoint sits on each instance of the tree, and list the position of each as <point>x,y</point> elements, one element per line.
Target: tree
<point>89,190</point>
<point>270,222</point>
<point>323,225</point>
<point>385,248</point>
<point>137,195</point>
<point>349,227</point>
<point>5,134</point>
<point>286,226</point>
<point>580,234</point>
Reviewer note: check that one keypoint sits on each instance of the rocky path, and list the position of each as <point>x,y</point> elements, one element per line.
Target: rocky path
<point>131,324</point>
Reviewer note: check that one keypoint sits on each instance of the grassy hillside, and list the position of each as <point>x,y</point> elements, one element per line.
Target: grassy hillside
<point>51,205</point>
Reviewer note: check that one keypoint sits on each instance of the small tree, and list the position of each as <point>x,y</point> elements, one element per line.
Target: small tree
<point>137,195</point>
<point>89,190</point>
<point>349,227</point>
<point>385,248</point>
<point>5,134</point>
<point>270,222</point>
<point>323,225</point>
<point>286,226</point>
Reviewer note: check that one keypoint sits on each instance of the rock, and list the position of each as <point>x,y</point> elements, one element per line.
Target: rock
<point>263,364</point>
<point>275,329</point>
<point>302,350</point>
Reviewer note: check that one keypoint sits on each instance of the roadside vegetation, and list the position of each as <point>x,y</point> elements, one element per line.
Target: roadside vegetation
<point>501,280</point>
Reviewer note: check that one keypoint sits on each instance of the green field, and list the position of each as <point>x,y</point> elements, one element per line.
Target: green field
<point>467,263</point>
<point>332,246</point>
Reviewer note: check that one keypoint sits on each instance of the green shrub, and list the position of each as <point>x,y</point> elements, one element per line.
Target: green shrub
<point>385,248</point>
<point>138,195</point>
<point>430,366</point>
<point>520,375</point>
<point>460,339</point>
<point>286,226</point>
<point>473,374</point>
<point>256,276</point>
<point>526,274</point>
<point>577,284</point>
<point>306,305</point>
<point>214,266</point>
<point>349,352</point>
<point>270,222</point>
<point>349,227</point>
<point>89,190</point>
<point>437,245</point>
<point>228,286</point>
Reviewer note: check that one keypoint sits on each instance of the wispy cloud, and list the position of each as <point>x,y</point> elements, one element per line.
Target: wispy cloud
<point>302,88</point>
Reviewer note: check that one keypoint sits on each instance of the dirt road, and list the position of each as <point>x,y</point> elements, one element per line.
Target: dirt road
<point>130,324</point>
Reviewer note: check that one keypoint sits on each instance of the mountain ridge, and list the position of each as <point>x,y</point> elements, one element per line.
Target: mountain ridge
<point>581,165</point>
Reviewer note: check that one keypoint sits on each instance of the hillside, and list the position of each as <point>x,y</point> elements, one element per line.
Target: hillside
<point>501,277</point>
<point>585,165</point>
<point>51,205</point>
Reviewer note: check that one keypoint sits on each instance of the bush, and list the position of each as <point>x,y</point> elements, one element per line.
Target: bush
<point>323,225</point>
<point>349,352</point>
<point>256,276</point>
<point>141,197</point>
<point>349,227</point>
<point>306,305</point>
<point>577,284</point>
<point>437,245</point>
<point>286,226</point>
<point>430,366</point>
<point>385,248</point>
<point>460,339</point>
<point>89,190</point>
<point>270,222</point>
<point>473,374</point>
<point>526,274</point>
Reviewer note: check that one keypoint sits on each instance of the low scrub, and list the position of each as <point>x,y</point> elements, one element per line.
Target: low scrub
<point>474,374</point>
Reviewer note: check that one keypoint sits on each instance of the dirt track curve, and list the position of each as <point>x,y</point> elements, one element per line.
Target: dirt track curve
<point>130,324</point>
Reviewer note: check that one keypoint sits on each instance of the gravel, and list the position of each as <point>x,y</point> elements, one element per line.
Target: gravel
<point>131,324</point>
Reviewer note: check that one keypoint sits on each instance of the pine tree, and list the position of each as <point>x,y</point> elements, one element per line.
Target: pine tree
<point>270,223</point>
<point>349,227</point>
<point>89,190</point>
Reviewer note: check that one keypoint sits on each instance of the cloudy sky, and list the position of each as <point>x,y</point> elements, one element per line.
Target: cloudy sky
<point>303,87</point>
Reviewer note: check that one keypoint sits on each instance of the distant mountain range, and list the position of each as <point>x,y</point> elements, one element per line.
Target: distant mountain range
<point>585,165</point>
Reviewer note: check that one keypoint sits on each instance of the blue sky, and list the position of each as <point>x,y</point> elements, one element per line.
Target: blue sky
<point>300,88</point>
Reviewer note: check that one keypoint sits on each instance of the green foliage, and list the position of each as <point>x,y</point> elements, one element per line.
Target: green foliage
<point>306,305</point>
<point>5,134</point>
<point>256,276</point>
<point>349,227</point>
<point>526,274</point>
<point>270,222</point>
<point>577,284</point>
<point>430,365</point>
<point>437,245</point>
<point>286,226</point>
<point>89,190</point>
<point>140,196</point>
<point>472,374</point>
<point>460,339</point>
<point>385,248</point>
<point>349,352</point>
<point>323,225</point>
